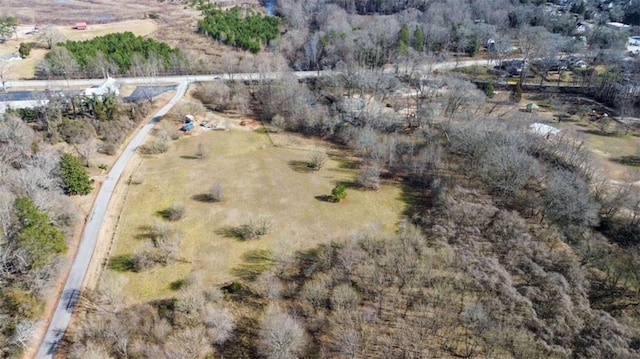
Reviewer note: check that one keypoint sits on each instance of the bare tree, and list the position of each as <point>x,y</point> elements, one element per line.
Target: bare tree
<point>461,93</point>
<point>281,335</point>
<point>216,193</point>
<point>317,159</point>
<point>220,324</point>
<point>6,70</point>
<point>202,151</point>
<point>49,36</point>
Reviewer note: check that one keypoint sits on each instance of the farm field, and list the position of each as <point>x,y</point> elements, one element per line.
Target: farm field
<point>25,69</point>
<point>259,179</point>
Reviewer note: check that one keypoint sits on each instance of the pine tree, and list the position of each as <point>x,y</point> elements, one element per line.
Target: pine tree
<point>38,237</point>
<point>418,39</point>
<point>74,176</point>
<point>403,40</point>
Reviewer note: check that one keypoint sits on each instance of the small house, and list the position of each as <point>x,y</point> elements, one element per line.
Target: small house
<point>81,26</point>
<point>108,86</point>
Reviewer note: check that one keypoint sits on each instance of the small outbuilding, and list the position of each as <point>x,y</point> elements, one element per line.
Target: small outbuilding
<point>532,107</point>
<point>81,26</point>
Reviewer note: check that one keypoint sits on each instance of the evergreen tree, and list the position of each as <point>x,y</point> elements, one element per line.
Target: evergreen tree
<point>403,40</point>
<point>418,39</point>
<point>38,237</point>
<point>74,176</point>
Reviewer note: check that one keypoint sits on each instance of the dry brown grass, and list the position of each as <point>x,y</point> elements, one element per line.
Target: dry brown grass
<point>138,27</point>
<point>176,24</point>
<point>258,179</point>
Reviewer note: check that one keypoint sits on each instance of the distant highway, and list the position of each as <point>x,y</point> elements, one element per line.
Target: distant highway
<point>73,286</point>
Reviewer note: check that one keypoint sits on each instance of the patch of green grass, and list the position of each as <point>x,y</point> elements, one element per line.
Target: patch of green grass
<point>178,284</point>
<point>121,263</point>
<point>258,179</point>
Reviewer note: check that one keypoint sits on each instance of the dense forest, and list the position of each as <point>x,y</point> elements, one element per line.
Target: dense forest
<point>112,54</point>
<point>239,27</point>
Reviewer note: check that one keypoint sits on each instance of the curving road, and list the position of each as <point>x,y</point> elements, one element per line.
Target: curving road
<point>66,302</point>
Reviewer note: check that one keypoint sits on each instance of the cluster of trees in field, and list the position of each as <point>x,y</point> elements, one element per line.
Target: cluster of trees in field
<point>239,27</point>
<point>110,55</point>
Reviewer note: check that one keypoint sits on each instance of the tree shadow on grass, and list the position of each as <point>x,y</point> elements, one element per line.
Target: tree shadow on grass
<point>324,198</point>
<point>242,344</point>
<point>415,202</point>
<point>203,197</point>
<point>300,166</point>
<point>237,232</point>
<point>145,231</point>
<point>633,161</point>
<point>178,284</point>
<point>186,157</point>
<point>122,263</point>
<point>256,262</point>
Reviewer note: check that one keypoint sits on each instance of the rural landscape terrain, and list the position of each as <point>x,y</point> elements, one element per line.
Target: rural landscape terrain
<point>320,179</point>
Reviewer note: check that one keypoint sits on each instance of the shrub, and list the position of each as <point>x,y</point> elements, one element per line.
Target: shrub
<point>216,193</point>
<point>254,229</point>
<point>150,257</point>
<point>25,49</point>
<point>317,159</point>
<point>338,193</point>
<point>160,145</point>
<point>174,213</point>
<point>108,148</point>
<point>369,177</point>
<point>489,91</point>
<point>202,151</point>
<point>279,122</point>
<point>137,178</point>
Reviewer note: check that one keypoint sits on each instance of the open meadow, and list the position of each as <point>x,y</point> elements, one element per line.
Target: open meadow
<point>258,180</point>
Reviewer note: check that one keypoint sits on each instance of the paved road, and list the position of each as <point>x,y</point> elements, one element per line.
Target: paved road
<point>201,78</point>
<point>71,291</point>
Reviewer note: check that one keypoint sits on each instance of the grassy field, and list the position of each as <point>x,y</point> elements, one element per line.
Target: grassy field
<point>138,27</point>
<point>258,179</point>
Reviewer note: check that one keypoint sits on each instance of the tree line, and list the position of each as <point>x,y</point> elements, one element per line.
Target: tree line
<point>109,55</point>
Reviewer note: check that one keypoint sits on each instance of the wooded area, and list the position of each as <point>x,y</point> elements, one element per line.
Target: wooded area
<point>36,218</point>
<point>239,27</point>
<point>110,55</point>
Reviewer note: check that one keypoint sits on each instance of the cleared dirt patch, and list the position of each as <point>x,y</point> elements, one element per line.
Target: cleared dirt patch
<point>258,179</point>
